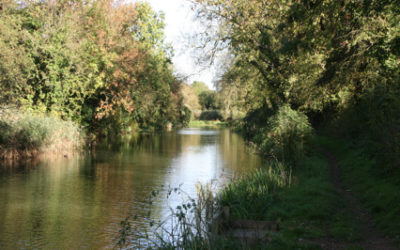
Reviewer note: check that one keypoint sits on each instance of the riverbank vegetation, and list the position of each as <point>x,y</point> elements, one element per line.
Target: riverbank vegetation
<point>103,65</point>
<point>26,135</point>
<point>376,190</point>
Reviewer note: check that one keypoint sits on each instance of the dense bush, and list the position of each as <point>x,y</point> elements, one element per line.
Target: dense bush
<point>24,134</point>
<point>285,135</point>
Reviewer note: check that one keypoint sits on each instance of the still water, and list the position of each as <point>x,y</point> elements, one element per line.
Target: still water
<point>79,203</point>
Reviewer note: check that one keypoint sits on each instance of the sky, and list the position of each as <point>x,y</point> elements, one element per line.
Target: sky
<point>179,23</point>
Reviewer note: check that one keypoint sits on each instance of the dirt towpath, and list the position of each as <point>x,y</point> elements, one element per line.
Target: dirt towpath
<point>372,239</point>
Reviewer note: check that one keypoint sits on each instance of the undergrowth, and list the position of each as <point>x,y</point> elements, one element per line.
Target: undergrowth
<point>187,226</point>
<point>250,196</point>
<point>283,134</point>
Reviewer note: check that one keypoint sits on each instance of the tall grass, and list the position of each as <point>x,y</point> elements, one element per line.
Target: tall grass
<point>25,135</point>
<point>198,223</point>
<point>249,196</point>
<point>189,225</point>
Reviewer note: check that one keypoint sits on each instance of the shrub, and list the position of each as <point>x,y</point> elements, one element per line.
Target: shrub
<point>285,135</point>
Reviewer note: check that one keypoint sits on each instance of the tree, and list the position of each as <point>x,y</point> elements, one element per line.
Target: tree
<point>199,87</point>
<point>190,98</point>
<point>103,64</point>
<point>328,59</point>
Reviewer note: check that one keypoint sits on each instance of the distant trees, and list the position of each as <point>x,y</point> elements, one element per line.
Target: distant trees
<point>103,64</point>
<point>203,102</point>
<point>190,97</point>
<point>207,97</point>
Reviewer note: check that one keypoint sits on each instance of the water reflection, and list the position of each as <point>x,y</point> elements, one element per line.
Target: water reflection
<point>79,203</point>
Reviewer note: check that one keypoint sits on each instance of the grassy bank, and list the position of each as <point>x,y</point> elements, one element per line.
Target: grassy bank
<point>26,135</point>
<point>202,124</point>
<point>306,206</point>
<point>311,211</point>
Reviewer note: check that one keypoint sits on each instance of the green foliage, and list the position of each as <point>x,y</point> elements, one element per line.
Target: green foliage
<point>285,135</point>
<point>210,115</point>
<point>232,93</point>
<point>186,115</point>
<point>208,100</point>
<point>202,101</point>
<point>16,64</point>
<point>379,108</point>
<point>104,65</point>
<point>190,98</point>
<point>331,60</point>
<point>303,201</point>
<point>199,87</point>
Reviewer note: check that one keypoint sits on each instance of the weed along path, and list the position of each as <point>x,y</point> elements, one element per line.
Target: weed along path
<point>371,239</point>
